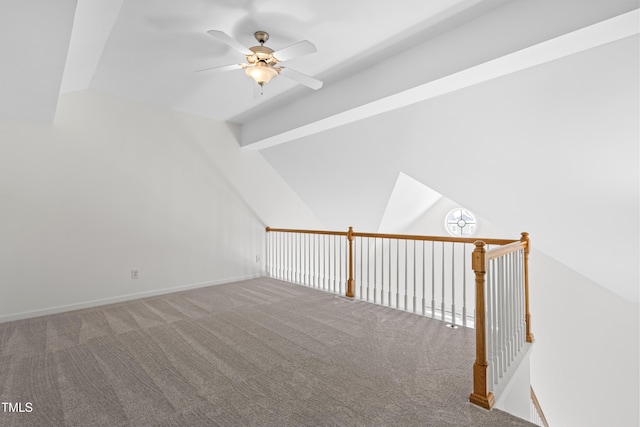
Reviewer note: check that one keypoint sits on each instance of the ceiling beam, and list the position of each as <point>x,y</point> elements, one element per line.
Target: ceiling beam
<point>304,117</point>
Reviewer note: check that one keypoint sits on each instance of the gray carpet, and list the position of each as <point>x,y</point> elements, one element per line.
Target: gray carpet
<point>255,353</point>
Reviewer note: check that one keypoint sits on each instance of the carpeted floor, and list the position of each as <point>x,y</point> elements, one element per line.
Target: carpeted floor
<point>255,353</point>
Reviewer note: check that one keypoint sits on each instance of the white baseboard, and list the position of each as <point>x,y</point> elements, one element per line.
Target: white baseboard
<point>121,298</point>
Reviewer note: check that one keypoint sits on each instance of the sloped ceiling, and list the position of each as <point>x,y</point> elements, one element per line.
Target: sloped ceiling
<point>526,112</point>
<point>154,46</point>
<point>409,201</point>
<point>34,40</point>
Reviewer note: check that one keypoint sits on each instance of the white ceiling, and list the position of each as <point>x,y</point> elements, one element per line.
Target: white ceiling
<point>148,50</point>
<point>155,46</point>
<point>383,63</point>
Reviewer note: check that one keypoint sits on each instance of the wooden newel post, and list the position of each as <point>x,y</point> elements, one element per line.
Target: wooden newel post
<point>350,285</point>
<point>527,249</point>
<point>481,395</point>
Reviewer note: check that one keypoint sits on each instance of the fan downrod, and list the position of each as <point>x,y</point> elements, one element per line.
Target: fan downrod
<point>261,36</point>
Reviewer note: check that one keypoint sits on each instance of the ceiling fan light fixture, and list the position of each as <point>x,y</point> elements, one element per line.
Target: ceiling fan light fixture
<point>263,63</point>
<point>261,72</point>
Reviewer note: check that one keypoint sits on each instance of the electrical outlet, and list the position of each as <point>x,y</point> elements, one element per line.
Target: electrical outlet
<point>135,274</point>
<point>258,258</point>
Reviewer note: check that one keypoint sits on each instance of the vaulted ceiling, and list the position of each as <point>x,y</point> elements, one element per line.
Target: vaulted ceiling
<point>543,91</point>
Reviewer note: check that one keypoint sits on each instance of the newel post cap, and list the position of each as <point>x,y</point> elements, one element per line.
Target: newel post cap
<point>478,257</point>
<point>480,245</point>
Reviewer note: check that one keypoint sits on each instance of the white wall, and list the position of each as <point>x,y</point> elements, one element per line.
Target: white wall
<point>114,186</point>
<point>513,394</point>
<point>584,367</point>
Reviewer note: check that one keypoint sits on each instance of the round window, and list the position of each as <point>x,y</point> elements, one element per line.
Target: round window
<point>460,223</point>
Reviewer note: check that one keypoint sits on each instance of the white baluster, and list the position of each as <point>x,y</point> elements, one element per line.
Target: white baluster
<point>313,261</point>
<point>276,257</point>
<point>433,280</point>
<point>337,266</point>
<point>319,264</point>
<point>512,306</point>
<point>375,270</point>
<point>389,290</point>
<point>368,264</point>
<point>406,276</point>
<point>519,315</point>
<point>285,241</point>
<point>397,273</point>
<point>494,321</point>
<point>343,276</point>
<point>443,294</point>
<point>299,252</point>
<point>523,326</point>
<point>289,257</point>
<point>361,275</point>
<point>340,277</point>
<point>453,283</point>
<point>327,261</point>
<point>501,316</point>
<point>424,283</point>
<point>382,271</point>
<point>305,240</point>
<point>508,307</point>
<point>414,276</point>
<point>464,284</point>
<point>491,327</point>
<point>281,256</point>
<point>310,260</point>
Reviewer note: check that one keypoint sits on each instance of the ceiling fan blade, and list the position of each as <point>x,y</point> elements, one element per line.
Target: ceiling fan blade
<point>223,68</point>
<point>297,49</point>
<point>225,38</point>
<point>309,81</point>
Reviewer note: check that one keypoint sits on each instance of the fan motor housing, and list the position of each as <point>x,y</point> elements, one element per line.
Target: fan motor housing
<point>261,53</point>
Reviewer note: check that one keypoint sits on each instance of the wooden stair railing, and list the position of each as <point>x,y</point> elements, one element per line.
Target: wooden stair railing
<point>537,417</point>
<point>506,266</point>
<point>499,336</point>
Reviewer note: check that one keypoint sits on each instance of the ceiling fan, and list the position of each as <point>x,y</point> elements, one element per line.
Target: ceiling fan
<point>263,63</point>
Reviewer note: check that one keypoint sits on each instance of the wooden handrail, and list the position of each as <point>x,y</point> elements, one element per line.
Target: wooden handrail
<point>398,236</point>
<point>289,230</point>
<point>506,249</point>
<point>481,394</point>
<point>536,404</point>
<point>434,238</point>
